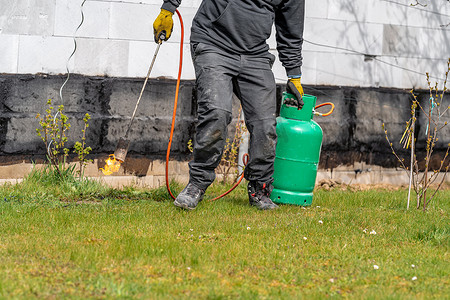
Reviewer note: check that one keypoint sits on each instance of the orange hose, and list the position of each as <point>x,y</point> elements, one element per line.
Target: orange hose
<point>324,104</point>
<point>175,114</point>
<point>175,104</point>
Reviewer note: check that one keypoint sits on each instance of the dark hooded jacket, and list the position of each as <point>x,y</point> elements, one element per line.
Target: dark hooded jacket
<point>243,26</point>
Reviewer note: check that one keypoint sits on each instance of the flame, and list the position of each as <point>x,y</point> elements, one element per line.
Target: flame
<point>112,165</point>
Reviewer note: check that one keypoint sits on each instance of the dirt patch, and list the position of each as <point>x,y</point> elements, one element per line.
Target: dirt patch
<point>330,184</point>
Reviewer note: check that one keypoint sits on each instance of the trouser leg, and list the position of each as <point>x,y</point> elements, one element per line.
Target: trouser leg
<point>262,145</point>
<point>214,73</point>
<point>208,146</point>
<point>257,91</point>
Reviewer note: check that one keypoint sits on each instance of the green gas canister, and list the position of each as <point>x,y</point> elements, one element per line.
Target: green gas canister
<point>297,151</point>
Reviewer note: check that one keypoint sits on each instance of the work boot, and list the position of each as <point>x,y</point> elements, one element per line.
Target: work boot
<point>189,197</point>
<point>258,195</point>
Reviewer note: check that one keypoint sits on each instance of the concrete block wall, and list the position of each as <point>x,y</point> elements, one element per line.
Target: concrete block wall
<point>400,42</point>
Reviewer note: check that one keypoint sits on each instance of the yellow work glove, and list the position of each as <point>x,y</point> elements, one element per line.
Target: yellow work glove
<point>163,25</point>
<point>294,87</point>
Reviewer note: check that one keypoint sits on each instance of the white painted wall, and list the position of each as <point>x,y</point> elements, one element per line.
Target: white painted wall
<point>116,39</point>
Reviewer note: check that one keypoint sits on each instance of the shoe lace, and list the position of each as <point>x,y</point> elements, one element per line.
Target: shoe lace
<point>261,192</point>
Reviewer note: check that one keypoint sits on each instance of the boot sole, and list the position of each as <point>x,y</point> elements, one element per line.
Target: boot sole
<point>182,205</point>
<point>264,208</point>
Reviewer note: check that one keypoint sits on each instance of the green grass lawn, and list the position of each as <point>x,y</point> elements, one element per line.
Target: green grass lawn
<point>87,241</point>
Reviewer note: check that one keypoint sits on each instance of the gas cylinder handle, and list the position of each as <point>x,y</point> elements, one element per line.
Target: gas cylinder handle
<point>325,114</point>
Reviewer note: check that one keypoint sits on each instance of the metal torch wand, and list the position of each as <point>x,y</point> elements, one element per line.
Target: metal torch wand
<point>124,143</point>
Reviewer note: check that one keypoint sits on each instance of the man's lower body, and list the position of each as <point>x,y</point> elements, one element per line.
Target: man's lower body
<point>218,75</point>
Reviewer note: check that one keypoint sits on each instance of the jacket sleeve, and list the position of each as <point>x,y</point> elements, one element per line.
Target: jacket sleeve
<point>289,22</point>
<point>171,5</point>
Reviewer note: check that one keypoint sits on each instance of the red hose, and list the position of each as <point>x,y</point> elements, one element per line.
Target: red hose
<point>245,160</point>
<point>175,114</point>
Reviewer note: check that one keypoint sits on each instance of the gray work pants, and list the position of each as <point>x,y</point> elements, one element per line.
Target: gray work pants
<point>218,74</point>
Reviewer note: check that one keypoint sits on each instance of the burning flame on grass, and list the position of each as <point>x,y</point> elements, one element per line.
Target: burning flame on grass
<point>112,165</point>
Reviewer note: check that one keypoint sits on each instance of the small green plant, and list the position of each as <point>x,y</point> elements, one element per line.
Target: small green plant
<point>190,145</point>
<point>81,149</point>
<point>54,127</point>
<point>53,132</point>
<point>422,180</point>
